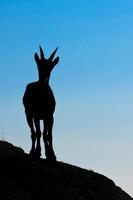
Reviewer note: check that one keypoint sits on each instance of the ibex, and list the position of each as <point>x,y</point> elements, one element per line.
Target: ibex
<point>39,103</point>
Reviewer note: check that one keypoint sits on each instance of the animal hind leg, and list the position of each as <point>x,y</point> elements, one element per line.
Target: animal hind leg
<point>33,134</point>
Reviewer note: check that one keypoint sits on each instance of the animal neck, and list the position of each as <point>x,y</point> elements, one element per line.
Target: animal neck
<point>44,82</point>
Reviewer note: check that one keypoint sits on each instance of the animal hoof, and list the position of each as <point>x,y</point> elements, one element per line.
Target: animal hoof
<point>51,157</point>
<point>37,153</point>
<point>32,152</point>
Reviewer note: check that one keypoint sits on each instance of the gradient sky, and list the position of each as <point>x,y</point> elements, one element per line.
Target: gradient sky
<point>92,83</point>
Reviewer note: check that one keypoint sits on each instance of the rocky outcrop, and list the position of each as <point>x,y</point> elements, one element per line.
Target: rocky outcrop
<point>22,178</point>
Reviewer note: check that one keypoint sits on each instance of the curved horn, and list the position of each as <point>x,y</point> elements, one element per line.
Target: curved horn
<point>41,53</point>
<point>53,54</point>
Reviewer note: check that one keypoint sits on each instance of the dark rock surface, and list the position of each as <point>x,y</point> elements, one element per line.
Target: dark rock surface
<point>22,178</point>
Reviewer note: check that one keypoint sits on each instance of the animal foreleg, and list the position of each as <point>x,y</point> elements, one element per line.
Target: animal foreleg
<point>38,135</point>
<point>33,134</point>
<point>45,138</point>
<point>48,140</point>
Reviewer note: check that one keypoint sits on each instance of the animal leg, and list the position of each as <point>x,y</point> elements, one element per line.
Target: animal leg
<point>38,135</point>
<point>33,134</point>
<point>47,136</point>
<point>45,139</point>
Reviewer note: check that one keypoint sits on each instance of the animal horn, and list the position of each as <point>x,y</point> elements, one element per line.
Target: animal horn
<point>41,53</point>
<point>53,54</point>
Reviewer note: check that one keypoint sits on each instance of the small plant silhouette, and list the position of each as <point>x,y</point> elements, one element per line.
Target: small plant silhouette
<point>2,136</point>
<point>39,103</point>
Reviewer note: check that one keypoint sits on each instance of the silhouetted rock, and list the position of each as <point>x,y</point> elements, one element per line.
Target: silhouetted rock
<point>22,178</point>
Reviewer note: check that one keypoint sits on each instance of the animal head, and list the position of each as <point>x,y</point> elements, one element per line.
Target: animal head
<point>44,65</point>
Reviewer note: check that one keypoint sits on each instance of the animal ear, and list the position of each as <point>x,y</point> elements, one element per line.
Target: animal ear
<point>36,57</point>
<point>56,60</point>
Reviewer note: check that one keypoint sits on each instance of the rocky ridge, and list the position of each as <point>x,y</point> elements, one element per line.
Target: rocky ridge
<point>23,178</point>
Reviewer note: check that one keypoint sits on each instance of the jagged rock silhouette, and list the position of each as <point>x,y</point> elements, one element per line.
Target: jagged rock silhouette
<point>23,178</point>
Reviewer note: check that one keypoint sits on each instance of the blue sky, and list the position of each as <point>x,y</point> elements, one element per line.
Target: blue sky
<point>93,82</point>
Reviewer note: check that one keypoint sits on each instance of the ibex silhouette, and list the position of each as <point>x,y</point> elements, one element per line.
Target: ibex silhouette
<point>39,103</point>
